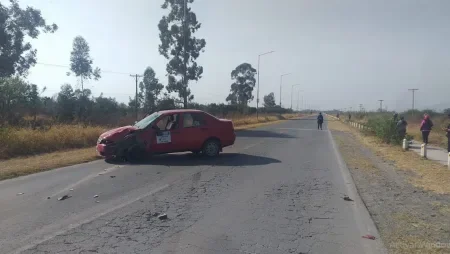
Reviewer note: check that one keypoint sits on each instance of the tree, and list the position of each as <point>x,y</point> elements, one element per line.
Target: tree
<point>34,101</point>
<point>179,44</point>
<point>242,87</point>
<point>17,56</point>
<point>269,100</point>
<point>81,61</point>
<point>150,90</point>
<point>13,99</point>
<point>65,103</point>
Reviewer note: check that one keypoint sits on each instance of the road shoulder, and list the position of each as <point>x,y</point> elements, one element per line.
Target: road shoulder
<point>409,218</point>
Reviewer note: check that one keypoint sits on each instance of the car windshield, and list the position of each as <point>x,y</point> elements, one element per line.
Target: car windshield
<point>146,121</point>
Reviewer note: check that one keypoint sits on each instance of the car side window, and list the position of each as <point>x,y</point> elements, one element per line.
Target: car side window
<point>168,122</point>
<point>193,120</point>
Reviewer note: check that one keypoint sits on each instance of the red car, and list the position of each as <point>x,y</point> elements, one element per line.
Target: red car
<point>168,131</point>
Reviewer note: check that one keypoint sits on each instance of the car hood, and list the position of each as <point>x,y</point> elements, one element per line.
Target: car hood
<point>118,133</point>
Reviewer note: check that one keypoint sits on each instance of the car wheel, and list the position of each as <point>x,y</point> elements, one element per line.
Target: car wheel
<point>211,148</point>
<point>134,154</point>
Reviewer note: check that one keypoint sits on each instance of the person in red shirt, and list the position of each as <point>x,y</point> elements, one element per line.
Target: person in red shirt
<point>425,128</point>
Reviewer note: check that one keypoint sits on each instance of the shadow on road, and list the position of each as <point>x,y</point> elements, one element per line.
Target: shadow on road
<point>189,159</point>
<point>261,134</point>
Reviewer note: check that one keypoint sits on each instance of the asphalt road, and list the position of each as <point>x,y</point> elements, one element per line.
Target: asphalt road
<point>279,189</point>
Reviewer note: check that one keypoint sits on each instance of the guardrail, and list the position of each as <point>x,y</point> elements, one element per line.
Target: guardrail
<point>356,125</point>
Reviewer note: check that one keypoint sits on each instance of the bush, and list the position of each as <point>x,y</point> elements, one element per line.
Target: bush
<point>385,128</point>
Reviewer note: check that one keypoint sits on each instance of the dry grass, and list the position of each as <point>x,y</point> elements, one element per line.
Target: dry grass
<point>33,164</point>
<point>429,175</point>
<point>24,142</point>
<point>402,241</point>
<point>61,137</point>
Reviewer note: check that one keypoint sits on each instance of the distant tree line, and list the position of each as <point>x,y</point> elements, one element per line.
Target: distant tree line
<point>22,103</point>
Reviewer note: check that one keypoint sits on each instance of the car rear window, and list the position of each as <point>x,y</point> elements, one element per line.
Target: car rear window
<point>193,120</point>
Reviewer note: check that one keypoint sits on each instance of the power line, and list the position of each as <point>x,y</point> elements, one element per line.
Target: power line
<point>65,66</point>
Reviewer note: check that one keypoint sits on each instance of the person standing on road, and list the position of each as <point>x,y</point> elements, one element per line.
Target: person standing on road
<point>448,135</point>
<point>319,121</point>
<point>425,128</point>
<point>401,127</point>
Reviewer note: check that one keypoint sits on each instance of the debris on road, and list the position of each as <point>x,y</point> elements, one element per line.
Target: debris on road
<point>162,216</point>
<point>20,193</point>
<point>95,196</point>
<point>346,198</point>
<point>64,197</point>
<point>100,174</point>
<point>371,237</point>
<point>48,197</point>
<point>112,176</point>
<point>97,201</point>
<point>71,190</point>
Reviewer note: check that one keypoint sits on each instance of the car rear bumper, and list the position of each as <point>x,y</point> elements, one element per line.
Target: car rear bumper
<point>106,150</point>
<point>229,141</point>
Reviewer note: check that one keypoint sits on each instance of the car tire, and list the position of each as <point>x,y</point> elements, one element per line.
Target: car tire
<point>134,154</point>
<point>211,148</point>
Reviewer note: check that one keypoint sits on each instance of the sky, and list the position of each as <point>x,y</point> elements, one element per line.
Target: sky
<point>340,53</point>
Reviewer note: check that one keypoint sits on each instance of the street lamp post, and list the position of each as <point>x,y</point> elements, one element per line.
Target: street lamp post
<point>257,90</point>
<point>281,83</point>
<point>292,92</point>
<point>298,98</point>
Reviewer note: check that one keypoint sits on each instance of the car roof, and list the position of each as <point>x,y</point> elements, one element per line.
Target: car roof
<point>172,111</point>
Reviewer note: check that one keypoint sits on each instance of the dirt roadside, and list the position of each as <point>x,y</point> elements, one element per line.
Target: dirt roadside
<point>410,217</point>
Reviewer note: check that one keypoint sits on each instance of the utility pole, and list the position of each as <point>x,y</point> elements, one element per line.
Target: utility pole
<point>281,83</point>
<point>360,107</point>
<point>257,90</point>
<point>136,76</point>
<point>413,90</point>
<point>185,56</point>
<point>381,105</point>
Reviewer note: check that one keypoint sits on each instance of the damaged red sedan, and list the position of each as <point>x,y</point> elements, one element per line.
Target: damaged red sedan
<point>168,131</point>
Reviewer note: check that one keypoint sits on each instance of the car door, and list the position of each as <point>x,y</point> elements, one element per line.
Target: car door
<point>167,136</point>
<point>195,130</point>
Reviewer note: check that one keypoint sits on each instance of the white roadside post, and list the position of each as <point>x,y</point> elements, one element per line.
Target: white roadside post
<point>423,151</point>
<point>448,161</point>
<point>405,144</point>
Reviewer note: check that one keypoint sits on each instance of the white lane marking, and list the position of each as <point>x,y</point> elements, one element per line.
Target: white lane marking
<point>250,146</point>
<point>98,215</point>
<point>85,179</point>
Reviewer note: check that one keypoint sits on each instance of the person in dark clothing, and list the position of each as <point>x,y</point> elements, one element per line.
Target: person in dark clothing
<point>401,127</point>
<point>425,128</point>
<point>337,115</point>
<point>448,135</point>
<point>395,117</point>
<point>319,121</point>
<point>349,116</point>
